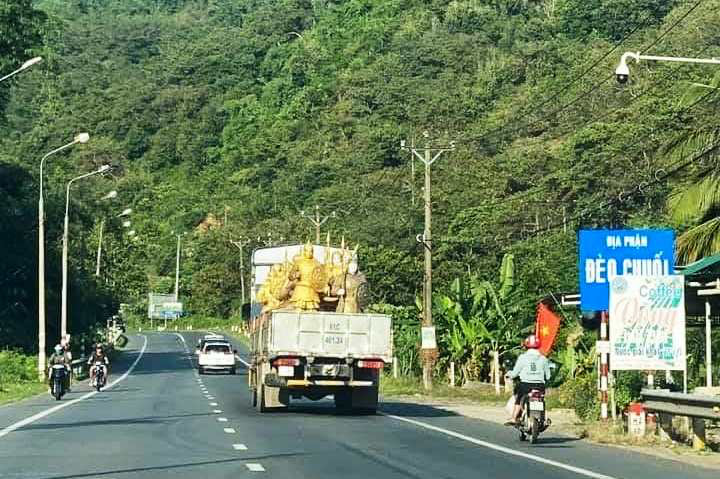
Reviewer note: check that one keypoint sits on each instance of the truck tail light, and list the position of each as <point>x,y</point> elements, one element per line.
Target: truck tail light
<point>371,364</point>
<point>286,362</point>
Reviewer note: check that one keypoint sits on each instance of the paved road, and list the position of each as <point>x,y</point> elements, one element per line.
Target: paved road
<point>163,420</point>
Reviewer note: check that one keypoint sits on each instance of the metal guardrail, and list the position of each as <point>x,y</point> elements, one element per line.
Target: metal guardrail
<point>697,407</point>
<point>79,367</point>
<point>679,404</point>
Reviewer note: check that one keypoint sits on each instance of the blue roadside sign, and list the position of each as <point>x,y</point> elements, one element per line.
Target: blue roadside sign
<point>605,254</point>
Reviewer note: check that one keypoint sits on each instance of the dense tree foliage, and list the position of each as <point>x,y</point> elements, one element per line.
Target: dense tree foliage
<point>250,111</point>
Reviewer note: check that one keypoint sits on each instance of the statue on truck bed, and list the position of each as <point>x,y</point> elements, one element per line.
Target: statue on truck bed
<point>306,284</point>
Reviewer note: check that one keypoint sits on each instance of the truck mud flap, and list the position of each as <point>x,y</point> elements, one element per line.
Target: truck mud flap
<point>274,381</point>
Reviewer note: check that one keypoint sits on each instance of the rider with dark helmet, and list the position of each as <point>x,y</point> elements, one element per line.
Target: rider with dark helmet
<point>98,356</point>
<point>533,369</point>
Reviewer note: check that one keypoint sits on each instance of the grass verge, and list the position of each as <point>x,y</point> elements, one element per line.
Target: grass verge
<point>411,386</point>
<point>481,393</point>
<point>18,391</point>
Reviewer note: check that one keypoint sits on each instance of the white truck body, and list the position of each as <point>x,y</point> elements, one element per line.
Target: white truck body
<point>314,353</point>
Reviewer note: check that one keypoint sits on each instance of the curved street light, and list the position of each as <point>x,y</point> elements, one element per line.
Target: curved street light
<point>63,310</point>
<point>23,67</point>
<point>622,72</point>
<point>81,138</point>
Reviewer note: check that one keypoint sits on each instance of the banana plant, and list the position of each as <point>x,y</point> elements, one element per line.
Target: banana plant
<point>479,319</point>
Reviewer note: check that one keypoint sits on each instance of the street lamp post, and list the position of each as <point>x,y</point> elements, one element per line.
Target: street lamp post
<point>622,72</point>
<point>23,67</point>
<point>111,195</point>
<point>63,310</point>
<point>81,138</point>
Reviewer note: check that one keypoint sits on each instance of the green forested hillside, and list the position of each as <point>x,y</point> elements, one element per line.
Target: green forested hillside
<point>259,109</point>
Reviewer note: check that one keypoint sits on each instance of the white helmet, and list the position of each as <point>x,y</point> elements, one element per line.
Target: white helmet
<point>58,349</point>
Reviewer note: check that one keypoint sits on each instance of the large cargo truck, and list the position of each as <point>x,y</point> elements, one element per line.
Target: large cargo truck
<point>314,346</point>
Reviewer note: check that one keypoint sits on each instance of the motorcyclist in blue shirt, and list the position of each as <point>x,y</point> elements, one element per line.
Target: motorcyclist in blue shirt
<point>533,369</point>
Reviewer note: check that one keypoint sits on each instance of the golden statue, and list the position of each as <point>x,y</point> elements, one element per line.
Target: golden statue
<point>350,285</point>
<point>309,278</point>
<point>274,293</point>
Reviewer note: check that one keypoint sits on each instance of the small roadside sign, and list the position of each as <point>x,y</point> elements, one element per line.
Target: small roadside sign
<point>428,337</point>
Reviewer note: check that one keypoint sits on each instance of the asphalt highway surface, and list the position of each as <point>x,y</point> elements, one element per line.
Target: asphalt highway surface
<point>159,418</point>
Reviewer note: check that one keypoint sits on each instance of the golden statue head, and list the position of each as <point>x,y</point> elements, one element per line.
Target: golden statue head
<point>307,251</point>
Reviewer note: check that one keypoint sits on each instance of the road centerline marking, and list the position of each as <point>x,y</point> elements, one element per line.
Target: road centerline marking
<point>222,419</point>
<point>47,412</point>
<point>506,450</point>
<point>217,411</point>
<point>255,467</point>
<point>229,430</point>
<point>240,447</point>
<point>213,404</point>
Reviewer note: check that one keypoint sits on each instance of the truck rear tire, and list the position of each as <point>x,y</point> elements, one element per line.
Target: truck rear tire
<point>260,398</point>
<point>343,399</point>
<point>365,400</point>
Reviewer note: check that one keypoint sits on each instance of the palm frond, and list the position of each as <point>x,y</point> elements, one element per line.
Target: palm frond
<point>694,201</point>
<point>698,242</point>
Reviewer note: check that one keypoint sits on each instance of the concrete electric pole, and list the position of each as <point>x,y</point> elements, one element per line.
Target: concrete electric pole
<point>241,244</point>
<point>428,155</point>
<point>318,221</point>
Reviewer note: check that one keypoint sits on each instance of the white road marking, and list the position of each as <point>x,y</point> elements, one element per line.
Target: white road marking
<point>213,404</point>
<point>240,447</point>
<point>247,364</point>
<point>255,467</point>
<point>222,419</point>
<point>47,412</point>
<point>229,430</point>
<point>210,397</point>
<point>506,450</point>
<point>183,341</point>
<point>217,411</point>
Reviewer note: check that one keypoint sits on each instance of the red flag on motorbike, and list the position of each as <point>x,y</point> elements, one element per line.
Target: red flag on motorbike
<point>546,327</point>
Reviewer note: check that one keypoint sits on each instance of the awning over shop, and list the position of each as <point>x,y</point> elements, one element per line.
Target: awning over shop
<point>697,276</point>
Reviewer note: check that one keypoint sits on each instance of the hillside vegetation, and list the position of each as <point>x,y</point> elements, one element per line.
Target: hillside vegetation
<point>250,111</point>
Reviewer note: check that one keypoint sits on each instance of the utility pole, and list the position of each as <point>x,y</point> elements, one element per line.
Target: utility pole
<point>177,266</point>
<point>428,155</point>
<point>317,220</point>
<point>241,244</point>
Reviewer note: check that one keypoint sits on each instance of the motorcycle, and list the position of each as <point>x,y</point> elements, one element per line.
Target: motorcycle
<point>99,375</point>
<point>58,374</point>
<point>533,420</point>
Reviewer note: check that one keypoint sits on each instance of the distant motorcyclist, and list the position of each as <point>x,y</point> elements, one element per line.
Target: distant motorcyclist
<point>58,357</point>
<point>98,356</point>
<point>533,369</point>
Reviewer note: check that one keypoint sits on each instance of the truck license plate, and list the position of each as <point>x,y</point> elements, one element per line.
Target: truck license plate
<point>537,406</point>
<point>286,371</point>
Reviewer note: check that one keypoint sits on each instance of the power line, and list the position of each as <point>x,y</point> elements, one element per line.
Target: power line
<point>595,85</point>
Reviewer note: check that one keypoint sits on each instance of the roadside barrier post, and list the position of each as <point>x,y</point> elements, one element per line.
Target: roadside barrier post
<point>698,433</point>
<point>395,368</point>
<point>452,374</point>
